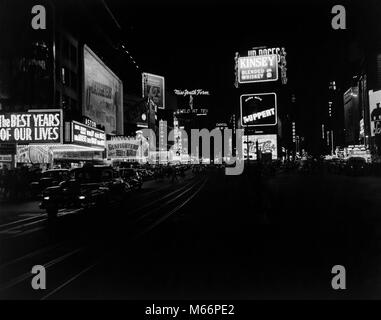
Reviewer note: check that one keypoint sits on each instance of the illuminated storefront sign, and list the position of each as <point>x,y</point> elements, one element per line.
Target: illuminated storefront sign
<point>258,68</point>
<point>162,135</point>
<point>124,148</point>
<point>191,111</point>
<point>154,89</point>
<point>34,126</point>
<point>195,92</point>
<point>264,51</point>
<point>267,143</point>
<point>258,109</point>
<point>87,136</point>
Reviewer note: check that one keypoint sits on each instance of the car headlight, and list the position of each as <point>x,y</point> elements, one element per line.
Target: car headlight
<point>46,198</point>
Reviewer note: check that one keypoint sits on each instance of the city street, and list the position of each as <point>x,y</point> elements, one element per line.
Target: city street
<point>190,150</point>
<point>210,236</point>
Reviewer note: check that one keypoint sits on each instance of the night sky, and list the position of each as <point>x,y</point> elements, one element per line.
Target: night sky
<point>192,43</point>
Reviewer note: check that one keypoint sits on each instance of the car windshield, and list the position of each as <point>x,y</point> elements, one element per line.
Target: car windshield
<point>54,174</point>
<point>128,173</point>
<point>92,175</point>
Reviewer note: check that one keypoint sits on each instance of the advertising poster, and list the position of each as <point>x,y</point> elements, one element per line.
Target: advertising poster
<point>258,68</point>
<point>375,112</point>
<point>37,126</point>
<point>124,148</point>
<point>258,109</point>
<point>103,94</point>
<point>267,143</point>
<point>153,88</point>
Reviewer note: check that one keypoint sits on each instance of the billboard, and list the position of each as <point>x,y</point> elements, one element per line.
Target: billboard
<point>375,112</point>
<point>123,148</point>
<point>85,135</point>
<point>35,126</point>
<point>103,94</point>
<point>258,68</point>
<point>267,143</point>
<point>153,88</point>
<point>258,109</point>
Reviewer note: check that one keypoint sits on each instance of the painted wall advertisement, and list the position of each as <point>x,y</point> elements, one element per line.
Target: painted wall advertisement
<point>103,94</point>
<point>258,109</point>
<point>258,68</point>
<point>154,88</point>
<point>35,126</point>
<point>267,143</point>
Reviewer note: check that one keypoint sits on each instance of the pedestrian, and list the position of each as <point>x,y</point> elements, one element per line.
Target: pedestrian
<point>174,175</point>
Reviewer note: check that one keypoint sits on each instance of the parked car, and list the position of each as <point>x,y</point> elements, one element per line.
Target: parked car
<point>132,177</point>
<point>88,187</point>
<point>48,178</point>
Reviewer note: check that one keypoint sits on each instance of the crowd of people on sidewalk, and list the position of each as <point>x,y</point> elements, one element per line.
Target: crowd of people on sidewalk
<point>14,183</point>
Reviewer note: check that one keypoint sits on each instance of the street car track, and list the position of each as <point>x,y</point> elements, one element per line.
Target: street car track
<point>28,255</point>
<point>74,277</point>
<point>40,253</point>
<point>18,228</point>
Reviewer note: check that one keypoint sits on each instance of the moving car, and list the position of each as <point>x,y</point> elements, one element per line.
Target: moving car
<point>87,187</point>
<point>48,178</point>
<point>132,177</point>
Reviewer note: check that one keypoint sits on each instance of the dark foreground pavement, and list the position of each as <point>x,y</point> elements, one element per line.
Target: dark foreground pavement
<point>231,237</point>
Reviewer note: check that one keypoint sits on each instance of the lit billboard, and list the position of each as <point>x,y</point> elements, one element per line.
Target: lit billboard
<point>123,148</point>
<point>35,126</point>
<point>258,109</point>
<point>154,88</point>
<point>87,136</point>
<point>267,143</point>
<point>258,68</point>
<point>375,112</point>
<point>103,94</point>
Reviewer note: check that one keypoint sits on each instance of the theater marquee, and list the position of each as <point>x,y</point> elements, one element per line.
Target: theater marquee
<point>87,136</point>
<point>35,126</point>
